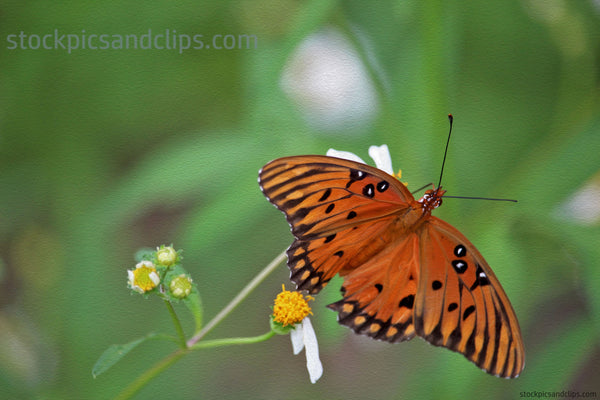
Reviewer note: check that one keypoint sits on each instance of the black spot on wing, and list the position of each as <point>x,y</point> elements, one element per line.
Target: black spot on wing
<point>459,266</point>
<point>407,302</point>
<point>382,186</point>
<point>460,251</point>
<point>329,238</point>
<point>325,195</point>
<point>355,175</point>
<point>481,278</point>
<point>468,312</point>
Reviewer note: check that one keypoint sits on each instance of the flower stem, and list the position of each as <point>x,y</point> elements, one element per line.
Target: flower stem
<point>177,323</point>
<point>147,376</point>
<point>232,341</point>
<point>237,299</point>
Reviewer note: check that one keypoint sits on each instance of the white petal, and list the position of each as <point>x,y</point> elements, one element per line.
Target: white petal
<point>346,155</point>
<point>297,336</point>
<point>382,158</point>
<point>154,278</point>
<point>313,364</point>
<point>130,277</point>
<point>148,264</point>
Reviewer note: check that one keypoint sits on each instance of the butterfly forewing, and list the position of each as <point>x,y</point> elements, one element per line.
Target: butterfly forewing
<point>461,304</point>
<point>321,195</point>
<point>327,202</point>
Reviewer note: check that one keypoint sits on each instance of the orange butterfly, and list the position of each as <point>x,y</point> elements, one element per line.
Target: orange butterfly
<point>405,271</point>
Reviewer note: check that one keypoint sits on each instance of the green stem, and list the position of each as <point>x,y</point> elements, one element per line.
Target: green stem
<point>233,341</point>
<point>237,299</point>
<point>147,376</point>
<point>143,379</point>
<point>177,323</point>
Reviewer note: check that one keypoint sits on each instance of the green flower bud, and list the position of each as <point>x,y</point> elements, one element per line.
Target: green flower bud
<point>166,256</point>
<point>181,286</point>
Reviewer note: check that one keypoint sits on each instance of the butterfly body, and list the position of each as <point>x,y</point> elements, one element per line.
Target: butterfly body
<point>405,271</point>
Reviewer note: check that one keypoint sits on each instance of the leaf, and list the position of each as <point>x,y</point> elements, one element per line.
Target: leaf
<point>194,304</point>
<point>117,351</point>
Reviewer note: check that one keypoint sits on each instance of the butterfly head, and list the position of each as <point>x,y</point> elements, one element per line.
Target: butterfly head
<point>432,199</point>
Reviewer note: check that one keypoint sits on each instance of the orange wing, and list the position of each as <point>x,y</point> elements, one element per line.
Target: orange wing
<point>399,279</point>
<point>335,209</point>
<point>379,296</point>
<point>461,305</point>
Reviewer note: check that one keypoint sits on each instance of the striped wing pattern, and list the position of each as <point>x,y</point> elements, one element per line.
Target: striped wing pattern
<point>401,278</point>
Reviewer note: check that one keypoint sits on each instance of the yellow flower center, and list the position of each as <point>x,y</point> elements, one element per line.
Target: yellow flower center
<point>290,307</point>
<point>142,278</point>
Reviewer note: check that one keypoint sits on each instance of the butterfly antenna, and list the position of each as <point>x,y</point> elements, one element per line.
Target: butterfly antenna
<point>478,198</point>
<point>451,119</point>
<point>421,188</point>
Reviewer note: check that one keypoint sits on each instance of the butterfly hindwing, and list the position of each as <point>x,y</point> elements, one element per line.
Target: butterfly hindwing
<point>461,305</point>
<point>379,296</point>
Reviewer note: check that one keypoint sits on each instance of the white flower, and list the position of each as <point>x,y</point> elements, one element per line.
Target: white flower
<point>303,336</point>
<point>379,154</point>
<point>143,278</point>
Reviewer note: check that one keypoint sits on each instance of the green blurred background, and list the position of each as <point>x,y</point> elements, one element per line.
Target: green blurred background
<point>103,152</point>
